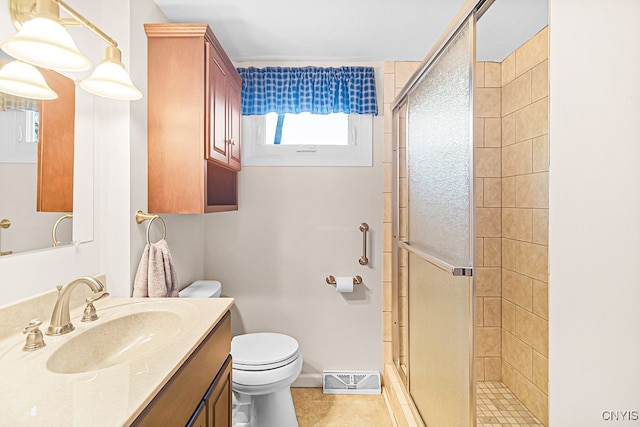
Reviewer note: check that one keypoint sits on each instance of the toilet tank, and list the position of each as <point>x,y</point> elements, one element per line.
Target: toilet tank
<point>202,289</point>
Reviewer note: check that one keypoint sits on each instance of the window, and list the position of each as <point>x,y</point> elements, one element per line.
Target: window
<point>298,116</point>
<point>336,139</point>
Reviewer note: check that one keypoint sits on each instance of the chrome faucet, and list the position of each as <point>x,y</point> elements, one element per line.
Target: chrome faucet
<point>60,319</point>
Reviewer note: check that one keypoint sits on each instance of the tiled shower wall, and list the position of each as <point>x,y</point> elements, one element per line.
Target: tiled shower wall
<point>525,213</point>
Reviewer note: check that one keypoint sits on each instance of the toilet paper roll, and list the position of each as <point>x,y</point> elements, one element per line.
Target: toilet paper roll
<point>344,284</point>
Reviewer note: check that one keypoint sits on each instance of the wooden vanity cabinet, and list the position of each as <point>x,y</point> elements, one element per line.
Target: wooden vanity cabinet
<point>194,118</point>
<point>199,394</point>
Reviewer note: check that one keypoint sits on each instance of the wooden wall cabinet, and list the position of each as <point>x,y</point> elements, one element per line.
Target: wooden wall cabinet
<point>55,146</point>
<point>194,121</point>
<point>199,394</point>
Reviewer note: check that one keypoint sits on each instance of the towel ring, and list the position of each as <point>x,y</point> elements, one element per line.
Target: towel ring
<point>141,217</point>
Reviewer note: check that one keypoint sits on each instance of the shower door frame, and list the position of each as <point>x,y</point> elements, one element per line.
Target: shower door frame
<point>472,10</point>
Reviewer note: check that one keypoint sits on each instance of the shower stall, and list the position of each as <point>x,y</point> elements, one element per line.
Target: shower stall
<point>454,220</point>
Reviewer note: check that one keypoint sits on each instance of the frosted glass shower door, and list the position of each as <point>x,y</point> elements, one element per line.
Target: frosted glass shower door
<point>439,172</point>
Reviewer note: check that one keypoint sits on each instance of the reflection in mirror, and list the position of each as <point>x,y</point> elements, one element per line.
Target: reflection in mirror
<point>36,167</point>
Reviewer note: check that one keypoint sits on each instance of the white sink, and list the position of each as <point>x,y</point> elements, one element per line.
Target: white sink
<point>115,341</point>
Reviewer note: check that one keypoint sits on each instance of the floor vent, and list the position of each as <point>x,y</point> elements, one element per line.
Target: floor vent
<point>351,382</point>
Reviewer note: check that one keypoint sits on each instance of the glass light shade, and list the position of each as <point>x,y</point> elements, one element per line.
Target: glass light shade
<point>110,80</point>
<point>45,43</point>
<point>21,79</point>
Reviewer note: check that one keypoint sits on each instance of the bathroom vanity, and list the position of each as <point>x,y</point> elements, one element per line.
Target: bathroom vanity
<point>145,361</point>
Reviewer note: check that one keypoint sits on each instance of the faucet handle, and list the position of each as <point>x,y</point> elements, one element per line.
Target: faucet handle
<point>90,314</point>
<point>35,340</point>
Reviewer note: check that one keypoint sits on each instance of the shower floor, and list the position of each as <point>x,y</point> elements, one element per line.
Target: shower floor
<point>497,406</point>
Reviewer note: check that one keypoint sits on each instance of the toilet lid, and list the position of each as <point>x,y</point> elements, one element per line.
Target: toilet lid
<point>264,350</point>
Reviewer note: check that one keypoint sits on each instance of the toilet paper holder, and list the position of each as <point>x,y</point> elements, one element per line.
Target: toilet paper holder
<point>331,280</point>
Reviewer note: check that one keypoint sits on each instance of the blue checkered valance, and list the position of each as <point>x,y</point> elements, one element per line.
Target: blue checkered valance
<point>308,89</point>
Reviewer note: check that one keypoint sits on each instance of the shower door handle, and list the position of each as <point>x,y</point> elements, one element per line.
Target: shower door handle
<point>454,270</point>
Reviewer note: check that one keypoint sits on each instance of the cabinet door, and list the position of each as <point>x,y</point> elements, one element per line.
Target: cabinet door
<point>234,115</point>
<point>217,106</point>
<point>199,419</point>
<point>218,400</point>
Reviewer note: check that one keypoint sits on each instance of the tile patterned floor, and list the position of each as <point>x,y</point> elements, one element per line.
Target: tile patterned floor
<point>496,406</point>
<point>315,409</point>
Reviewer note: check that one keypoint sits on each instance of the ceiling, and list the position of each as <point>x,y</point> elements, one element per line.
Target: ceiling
<point>352,30</point>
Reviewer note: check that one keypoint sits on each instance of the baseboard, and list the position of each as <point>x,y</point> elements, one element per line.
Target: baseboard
<point>308,380</point>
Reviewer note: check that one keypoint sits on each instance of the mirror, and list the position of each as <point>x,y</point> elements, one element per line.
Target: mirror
<point>37,168</point>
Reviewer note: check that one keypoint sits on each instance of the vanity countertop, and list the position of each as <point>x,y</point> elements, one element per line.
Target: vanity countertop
<point>33,395</point>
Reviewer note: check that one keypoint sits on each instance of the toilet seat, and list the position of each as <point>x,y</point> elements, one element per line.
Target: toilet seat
<point>263,351</point>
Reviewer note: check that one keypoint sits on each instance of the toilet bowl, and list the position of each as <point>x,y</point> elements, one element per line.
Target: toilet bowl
<point>264,365</point>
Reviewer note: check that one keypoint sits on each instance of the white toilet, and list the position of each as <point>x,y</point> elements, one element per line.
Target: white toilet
<point>264,367</point>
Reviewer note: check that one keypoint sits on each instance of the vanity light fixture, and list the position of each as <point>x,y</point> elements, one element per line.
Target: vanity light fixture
<point>21,79</point>
<point>43,41</point>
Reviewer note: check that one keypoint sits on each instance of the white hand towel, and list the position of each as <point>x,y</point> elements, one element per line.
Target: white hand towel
<point>156,275</point>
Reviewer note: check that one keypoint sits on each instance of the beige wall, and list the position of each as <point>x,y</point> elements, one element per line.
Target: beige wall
<point>525,213</point>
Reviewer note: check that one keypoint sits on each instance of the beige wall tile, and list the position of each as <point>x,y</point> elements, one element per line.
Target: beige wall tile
<point>508,316</point>
<point>389,88</point>
<point>479,256</point>
<point>541,153</point>
<point>508,191</point>
<point>532,191</point>
<point>533,52</point>
<point>488,342</point>
<point>389,67</point>
<point>533,330</point>
<point>517,288</point>
<point>509,254</point>
<point>517,224</point>
<point>388,147</point>
<point>480,368</point>
<point>516,94</point>
<point>493,368</point>
<point>488,282</point>
<point>517,353</point>
<point>478,132</point>
<point>386,326</point>
<point>492,74</point>
<point>387,170</point>
<point>532,260</point>
<point>479,74</point>
<point>387,296</point>
<point>387,237</point>
<point>387,115</point>
<point>535,400</point>
<point>541,299</point>
<point>509,129</point>
<point>492,190</point>
<point>386,267</point>
<point>517,159</point>
<point>479,192</point>
<point>493,132</point>
<point>492,311</point>
<point>487,162</point>
<point>487,102</point>
<point>386,214</point>
<point>480,312</point>
<point>540,81</point>
<point>540,226</point>
<point>492,251</point>
<point>404,71</point>
<point>488,222</point>
<point>508,69</point>
<point>532,120</point>
<point>541,372</point>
